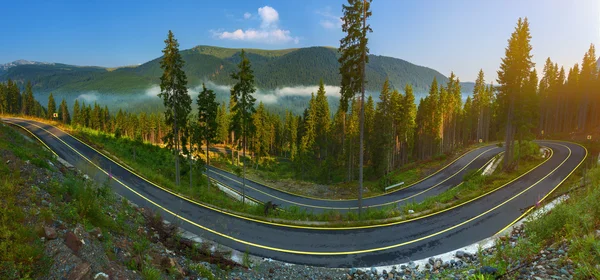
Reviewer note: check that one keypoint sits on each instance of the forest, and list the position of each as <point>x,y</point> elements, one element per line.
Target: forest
<point>324,145</point>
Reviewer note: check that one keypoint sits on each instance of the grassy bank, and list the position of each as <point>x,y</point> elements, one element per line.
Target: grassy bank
<point>37,194</point>
<point>21,250</point>
<point>279,174</point>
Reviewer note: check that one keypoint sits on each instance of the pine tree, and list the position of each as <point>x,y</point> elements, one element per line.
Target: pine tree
<point>382,136</point>
<point>260,132</point>
<point>173,91</point>
<point>51,106</point>
<point>241,95</point>
<point>207,120</point>
<point>322,120</point>
<point>515,70</point>
<point>64,115</point>
<point>587,77</point>
<point>223,124</point>
<point>27,100</point>
<point>3,99</point>
<point>76,113</point>
<point>353,58</point>
<point>409,112</point>
<point>13,96</point>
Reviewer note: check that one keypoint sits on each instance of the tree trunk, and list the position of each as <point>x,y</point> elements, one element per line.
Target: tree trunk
<point>508,146</point>
<point>176,139</point>
<point>244,159</point>
<point>207,162</point>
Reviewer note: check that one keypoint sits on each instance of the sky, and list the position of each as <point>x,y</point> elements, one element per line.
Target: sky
<point>461,35</point>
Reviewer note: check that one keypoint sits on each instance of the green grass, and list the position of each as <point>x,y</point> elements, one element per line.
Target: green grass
<point>278,170</point>
<point>21,250</point>
<point>574,222</point>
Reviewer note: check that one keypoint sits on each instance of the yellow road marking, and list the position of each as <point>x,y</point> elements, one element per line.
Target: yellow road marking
<point>369,206</point>
<point>325,199</point>
<point>43,143</point>
<point>548,194</point>
<point>305,227</point>
<point>324,253</point>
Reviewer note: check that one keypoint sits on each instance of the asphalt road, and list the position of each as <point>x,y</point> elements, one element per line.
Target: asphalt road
<point>437,183</point>
<point>357,247</point>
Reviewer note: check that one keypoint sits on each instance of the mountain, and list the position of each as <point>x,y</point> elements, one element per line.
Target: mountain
<point>5,67</point>
<point>272,68</point>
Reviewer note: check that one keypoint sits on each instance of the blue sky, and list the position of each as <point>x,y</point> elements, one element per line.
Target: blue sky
<point>460,36</point>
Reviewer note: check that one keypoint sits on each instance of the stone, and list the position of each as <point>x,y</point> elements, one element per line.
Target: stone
<point>410,211</point>
<point>79,272</point>
<point>460,254</point>
<point>50,233</point>
<point>352,271</point>
<point>169,263</point>
<point>374,270</point>
<point>96,232</point>
<point>437,264</point>
<point>101,276</point>
<point>471,271</point>
<point>73,242</point>
<point>564,272</point>
<point>431,261</point>
<point>560,252</point>
<point>488,270</point>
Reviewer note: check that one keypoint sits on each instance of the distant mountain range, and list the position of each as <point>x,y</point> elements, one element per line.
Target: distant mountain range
<point>272,68</point>
<point>5,67</point>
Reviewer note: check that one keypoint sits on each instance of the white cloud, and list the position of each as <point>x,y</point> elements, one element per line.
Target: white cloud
<point>265,36</point>
<point>269,17</point>
<point>269,31</point>
<point>329,20</point>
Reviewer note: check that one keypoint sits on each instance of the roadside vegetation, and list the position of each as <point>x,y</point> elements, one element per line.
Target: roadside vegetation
<point>279,173</point>
<point>562,242</point>
<point>154,165</point>
<point>21,251</point>
<point>43,202</point>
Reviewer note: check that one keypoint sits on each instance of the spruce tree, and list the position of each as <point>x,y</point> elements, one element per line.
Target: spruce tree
<point>64,115</point>
<point>173,91</point>
<point>51,106</point>
<point>76,113</point>
<point>515,70</point>
<point>322,120</point>
<point>3,99</point>
<point>207,120</point>
<point>27,100</point>
<point>243,108</point>
<point>353,58</point>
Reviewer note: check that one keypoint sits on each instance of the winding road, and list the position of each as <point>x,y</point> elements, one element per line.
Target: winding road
<point>362,246</point>
<point>434,184</point>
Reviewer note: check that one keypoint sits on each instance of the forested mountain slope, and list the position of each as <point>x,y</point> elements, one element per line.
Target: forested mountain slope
<point>272,69</point>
